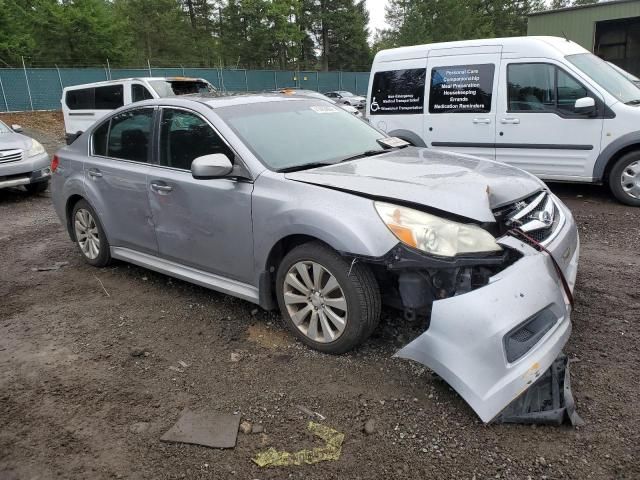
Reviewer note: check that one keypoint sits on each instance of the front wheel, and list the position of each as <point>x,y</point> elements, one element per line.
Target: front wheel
<point>329,303</point>
<point>624,179</point>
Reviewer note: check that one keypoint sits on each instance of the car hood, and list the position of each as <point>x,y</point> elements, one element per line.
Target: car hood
<point>10,141</point>
<point>459,184</point>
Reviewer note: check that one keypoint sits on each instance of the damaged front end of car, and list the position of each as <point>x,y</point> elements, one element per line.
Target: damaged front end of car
<point>497,321</point>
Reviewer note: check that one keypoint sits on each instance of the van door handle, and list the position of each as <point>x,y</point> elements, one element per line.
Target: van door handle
<point>486,121</point>
<point>161,187</point>
<point>510,121</point>
<point>94,173</point>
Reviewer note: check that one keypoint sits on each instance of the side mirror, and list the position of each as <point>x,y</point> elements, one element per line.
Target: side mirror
<point>16,128</point>
<point>585,106</point>
<point>216,165</point>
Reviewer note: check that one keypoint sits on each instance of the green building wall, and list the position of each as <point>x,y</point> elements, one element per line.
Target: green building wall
<point>579,23</point>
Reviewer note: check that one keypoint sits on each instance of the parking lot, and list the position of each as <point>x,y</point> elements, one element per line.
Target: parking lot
<point>92,369</point>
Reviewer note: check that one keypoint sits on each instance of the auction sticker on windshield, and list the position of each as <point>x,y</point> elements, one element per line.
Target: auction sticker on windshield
<point>323,109</point>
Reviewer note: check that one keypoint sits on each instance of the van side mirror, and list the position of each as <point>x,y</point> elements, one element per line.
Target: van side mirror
<point>585,106</point>
<point>216,165</point>
<point>16,128</point>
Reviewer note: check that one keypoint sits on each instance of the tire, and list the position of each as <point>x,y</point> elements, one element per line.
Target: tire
<point>624,179</point>
<point>355,301</point>
<point>39,187</point>
<point>93,232</point>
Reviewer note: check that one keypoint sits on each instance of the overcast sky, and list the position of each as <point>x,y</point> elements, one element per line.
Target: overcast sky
<point>376,15</point>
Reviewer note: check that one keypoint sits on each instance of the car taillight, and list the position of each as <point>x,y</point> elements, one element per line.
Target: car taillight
<point>54,163</point>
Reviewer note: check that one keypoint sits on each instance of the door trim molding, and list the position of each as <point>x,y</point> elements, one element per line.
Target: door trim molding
<point>534,146</point>
<point>189,274</point>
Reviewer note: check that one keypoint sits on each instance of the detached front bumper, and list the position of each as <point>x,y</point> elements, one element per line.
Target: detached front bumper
<point>493,343</point>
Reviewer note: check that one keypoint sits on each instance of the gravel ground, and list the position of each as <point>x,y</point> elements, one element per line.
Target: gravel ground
<point>90,372</point>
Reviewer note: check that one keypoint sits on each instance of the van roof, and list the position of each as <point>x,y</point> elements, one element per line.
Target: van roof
<point>529,46</point>
<point>120,80</point>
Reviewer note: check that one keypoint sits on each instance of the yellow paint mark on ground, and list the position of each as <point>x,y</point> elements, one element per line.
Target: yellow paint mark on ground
<point>267,337</point>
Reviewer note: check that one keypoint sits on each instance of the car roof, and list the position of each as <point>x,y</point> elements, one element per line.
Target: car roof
<point>139,79</point>
<point>214,100</point>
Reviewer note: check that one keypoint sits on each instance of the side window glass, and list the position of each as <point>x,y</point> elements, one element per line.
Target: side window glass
<point>185,137</point>
<point>139,93</point>
<point>99,139</point>
<point>130,135</point>
<point>109,97</point>
<point>398,92</point>
<point>531,87</point>
<point>81,99</point>
<point>461,88</point>
<point>569,91</point>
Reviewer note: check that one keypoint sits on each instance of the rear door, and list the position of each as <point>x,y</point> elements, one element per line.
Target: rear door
<point>462,99</point>
<point>538,129</point>
<point>116,172</point>
<point>205,224</point>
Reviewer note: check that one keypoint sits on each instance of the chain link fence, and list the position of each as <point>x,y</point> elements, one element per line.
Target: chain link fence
<point>23,89</point>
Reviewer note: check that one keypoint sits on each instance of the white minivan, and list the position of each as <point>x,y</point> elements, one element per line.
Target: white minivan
<point>543,104</point>
<point>83,105</point>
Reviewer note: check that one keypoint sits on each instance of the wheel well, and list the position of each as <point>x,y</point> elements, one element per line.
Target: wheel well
<point>612,161</point>
<point>71,202</point>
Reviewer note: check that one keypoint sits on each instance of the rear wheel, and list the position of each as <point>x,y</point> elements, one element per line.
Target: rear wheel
<point>624,179</point>
<point>89,235</point>
<point>39,187</point>
<point>329,303</point>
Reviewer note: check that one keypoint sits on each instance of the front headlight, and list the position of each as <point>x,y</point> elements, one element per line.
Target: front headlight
<point>433,234</point>
<point>36,149</point>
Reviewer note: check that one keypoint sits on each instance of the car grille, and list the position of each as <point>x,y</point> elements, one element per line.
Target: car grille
<point>10,155</point>
<point>538,216</point>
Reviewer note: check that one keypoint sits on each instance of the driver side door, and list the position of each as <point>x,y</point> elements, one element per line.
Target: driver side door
<point>204,224</point>
<point>537,127</point>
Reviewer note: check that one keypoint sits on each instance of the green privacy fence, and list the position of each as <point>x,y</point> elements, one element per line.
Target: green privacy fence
<point>41,88</point>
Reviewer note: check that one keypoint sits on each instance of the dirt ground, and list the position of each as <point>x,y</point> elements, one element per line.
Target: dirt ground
<point>90,375</point>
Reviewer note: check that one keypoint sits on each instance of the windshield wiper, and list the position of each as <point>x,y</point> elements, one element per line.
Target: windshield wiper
<point>368,153</point>
<point>633,102</point>
<point>305,166</point>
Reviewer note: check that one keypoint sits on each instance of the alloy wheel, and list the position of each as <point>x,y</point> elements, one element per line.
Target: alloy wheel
<point>315,301</point>
<point>87,234</point>
<point>630,179</point>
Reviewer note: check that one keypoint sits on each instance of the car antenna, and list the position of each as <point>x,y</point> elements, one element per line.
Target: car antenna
<point>565,37</point>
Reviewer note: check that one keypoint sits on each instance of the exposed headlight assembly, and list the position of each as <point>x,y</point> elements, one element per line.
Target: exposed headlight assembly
<point>435,235</point>
<point>36,149</point>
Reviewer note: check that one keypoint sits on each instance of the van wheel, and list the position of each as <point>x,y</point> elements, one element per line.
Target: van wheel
<point>329,303</point>
<point>89,235</point>
<point>624,179</point>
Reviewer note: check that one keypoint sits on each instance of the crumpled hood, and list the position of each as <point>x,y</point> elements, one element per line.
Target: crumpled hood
<point>9,141</point>
<point>456,183</point>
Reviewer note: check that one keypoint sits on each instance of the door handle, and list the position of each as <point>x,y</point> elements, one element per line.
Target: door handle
<point>510,121</point>
<point>94,173</point>
<point>161,188</point>
<point>485,121</point>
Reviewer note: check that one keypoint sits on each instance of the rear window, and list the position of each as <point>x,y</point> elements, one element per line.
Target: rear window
<point>171,88</point>
<point>108,97</point>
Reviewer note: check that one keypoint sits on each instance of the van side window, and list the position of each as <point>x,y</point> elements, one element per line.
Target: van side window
<point>99,139</point>
<point>541,87</point>
<point>185,136</point>
<point>81,99</point>
<point>461,88</point>
<point>130,134</point>
<point>109,97</point>
<point>398,92</point>
<point>139,93</point>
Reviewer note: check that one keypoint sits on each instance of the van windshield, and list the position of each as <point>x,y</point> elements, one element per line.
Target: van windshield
<point>171,88</point>
<point>607,77</point>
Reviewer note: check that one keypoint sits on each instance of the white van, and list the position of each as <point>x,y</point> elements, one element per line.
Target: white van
<point>83,105</point>
<point>543,104</point>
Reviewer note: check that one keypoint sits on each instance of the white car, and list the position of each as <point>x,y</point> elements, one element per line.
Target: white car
<point>543,104</point>
<point>83,105</point>
<point>347,98</point>
<point>313,94</point>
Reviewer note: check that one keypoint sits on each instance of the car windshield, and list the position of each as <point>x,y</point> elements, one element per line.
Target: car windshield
<point>295,133</point>
<point>624,73</point>
<point>607,77</point>
<point>171,88</point>
<point>4,128</point>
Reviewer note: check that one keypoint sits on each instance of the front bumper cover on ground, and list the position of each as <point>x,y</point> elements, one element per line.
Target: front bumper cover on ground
<point>466,340</point>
